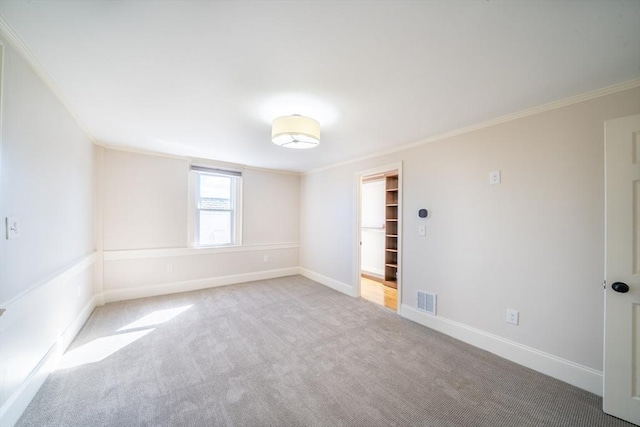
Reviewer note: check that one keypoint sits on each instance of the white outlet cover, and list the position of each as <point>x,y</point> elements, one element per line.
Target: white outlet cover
<point>494,177</point>
<point>512,316</point>
<point>13,228</point>
<point>422,230</point>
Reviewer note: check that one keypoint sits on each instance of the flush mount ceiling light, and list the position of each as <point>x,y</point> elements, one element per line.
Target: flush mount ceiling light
<point>295,132</point>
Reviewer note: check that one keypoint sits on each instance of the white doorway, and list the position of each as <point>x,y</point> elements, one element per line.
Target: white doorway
<point>378,226</point>
<point>621,393</point>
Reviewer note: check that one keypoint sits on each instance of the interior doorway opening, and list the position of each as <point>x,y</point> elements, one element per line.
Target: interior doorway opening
<point>374,290</point>
<point>379,235</point>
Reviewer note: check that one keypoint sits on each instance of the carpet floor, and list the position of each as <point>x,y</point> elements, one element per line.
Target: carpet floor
<point>289,352</point>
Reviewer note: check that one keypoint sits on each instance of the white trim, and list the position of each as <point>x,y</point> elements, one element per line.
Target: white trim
<point>98,219</point>
<point>562,369</point>
<point>609,90</point>
<point>357,235</point>
<point>174,252</point>
<point>194,285</point>
<point>2,48</point>
<point>196,172</point>
<point>71,270</point>
<point>191,159</point>
<point>16,404</point>
<point>357,249</point>
<point>279,171</point>
<point>27,54</point>
<point>239,212</point>
<point>192,180</point>
<point>147,152</point>
<point>327,281</point>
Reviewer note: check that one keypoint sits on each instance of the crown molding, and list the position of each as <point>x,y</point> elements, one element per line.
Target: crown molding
<point>609,90</point>
<point>26,53</point>
<point>21,47</point>
<point>208,162</point>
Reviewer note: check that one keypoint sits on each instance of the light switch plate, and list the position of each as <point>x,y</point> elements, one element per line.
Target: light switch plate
<point>422,230</point>
<point>13,228</point>
<point>494,177</point>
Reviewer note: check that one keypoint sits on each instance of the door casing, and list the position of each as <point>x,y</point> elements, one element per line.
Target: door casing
<point>357,238</point>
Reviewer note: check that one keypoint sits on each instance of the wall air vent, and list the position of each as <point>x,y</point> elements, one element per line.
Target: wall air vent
<point>427,302</point>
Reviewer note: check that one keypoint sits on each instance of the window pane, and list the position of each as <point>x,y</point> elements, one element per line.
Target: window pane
<point>216,187</point>
<point>215,228</point>
<point>215,192</point>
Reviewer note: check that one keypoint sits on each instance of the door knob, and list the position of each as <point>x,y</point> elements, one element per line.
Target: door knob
<point>620,287</point>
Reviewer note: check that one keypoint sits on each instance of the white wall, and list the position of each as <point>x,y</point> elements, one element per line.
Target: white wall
<point>533,243</point>
<point>145,201</point>
<point>146,223</point>
<point>46,279</point>
<point>271,207</point>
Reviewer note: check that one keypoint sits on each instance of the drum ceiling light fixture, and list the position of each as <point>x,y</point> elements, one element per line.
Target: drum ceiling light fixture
<point>295,131</point>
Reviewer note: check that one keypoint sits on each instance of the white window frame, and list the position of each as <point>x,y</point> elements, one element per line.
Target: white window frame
<point>194,198</point>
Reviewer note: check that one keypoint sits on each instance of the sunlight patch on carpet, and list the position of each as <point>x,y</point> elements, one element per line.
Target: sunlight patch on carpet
<point>99,349</point>
<point>156,318</point>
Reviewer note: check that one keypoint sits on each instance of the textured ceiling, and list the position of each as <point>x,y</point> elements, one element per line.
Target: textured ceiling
<point>205,78</point>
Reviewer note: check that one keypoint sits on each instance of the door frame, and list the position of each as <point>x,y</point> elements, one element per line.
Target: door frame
<point>357,234</point>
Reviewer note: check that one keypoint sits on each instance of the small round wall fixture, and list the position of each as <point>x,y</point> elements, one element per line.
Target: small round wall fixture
<point>422,213</point>
<point>295,131</point>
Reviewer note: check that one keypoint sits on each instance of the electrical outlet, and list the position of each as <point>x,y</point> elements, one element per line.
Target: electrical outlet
<point>265,258</point>
<point>513,316</point>
<point>169,268</point>
<point>422,230</point>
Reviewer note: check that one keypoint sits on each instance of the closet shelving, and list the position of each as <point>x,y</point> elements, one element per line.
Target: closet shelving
<point>391,231</point>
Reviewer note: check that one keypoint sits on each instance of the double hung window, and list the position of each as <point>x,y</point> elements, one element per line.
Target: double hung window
<point>217,206</point>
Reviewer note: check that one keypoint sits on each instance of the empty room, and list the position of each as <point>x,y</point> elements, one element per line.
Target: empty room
<point>319,213</point>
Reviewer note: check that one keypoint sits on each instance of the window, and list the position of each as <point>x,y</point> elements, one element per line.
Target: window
<point>217,206</point>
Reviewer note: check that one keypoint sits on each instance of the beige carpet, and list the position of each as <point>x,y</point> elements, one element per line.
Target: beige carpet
<point>289,352</point>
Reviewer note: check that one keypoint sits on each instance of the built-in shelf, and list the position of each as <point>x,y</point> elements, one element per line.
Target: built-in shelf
<point>391,239</point>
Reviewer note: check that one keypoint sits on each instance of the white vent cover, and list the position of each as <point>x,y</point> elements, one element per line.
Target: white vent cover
<point>427,302</point>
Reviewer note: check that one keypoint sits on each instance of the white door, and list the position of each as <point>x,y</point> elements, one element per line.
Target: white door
<point>621,394</point>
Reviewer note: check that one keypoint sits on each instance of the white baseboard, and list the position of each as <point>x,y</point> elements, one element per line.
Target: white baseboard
<point>327,281</point>
<point>573,373</point>
<point>15,405</point>
<point>193,285</point>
